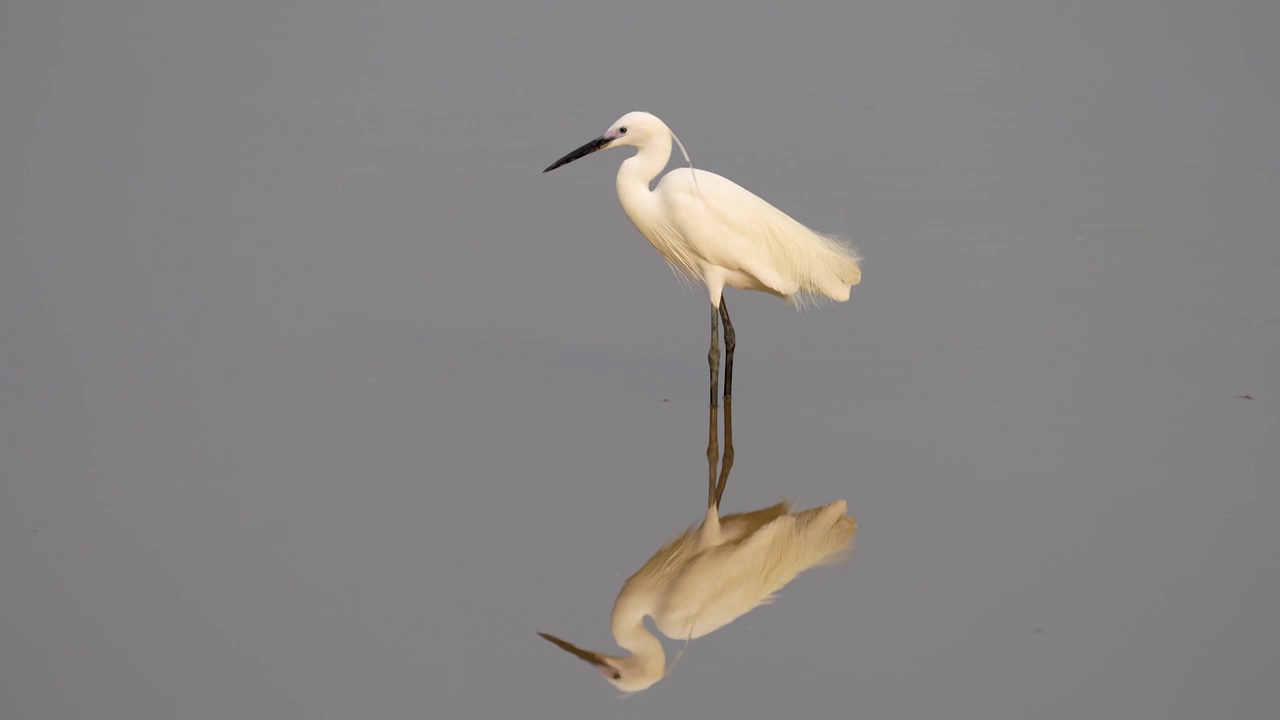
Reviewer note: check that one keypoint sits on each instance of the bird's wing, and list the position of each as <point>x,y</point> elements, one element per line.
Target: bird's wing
<point>731,227</point>
<point>730,580</point>
<point>739,526</point>
<point>667,563</point>
<point>722,584</point>
<point>675,555</point>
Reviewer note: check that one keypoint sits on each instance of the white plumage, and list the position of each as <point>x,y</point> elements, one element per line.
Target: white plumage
<point>710,229</point>
<point>709,576</point>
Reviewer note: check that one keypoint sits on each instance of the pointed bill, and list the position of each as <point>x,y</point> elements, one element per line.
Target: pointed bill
<point>585,150</point>
<point>595,658</point>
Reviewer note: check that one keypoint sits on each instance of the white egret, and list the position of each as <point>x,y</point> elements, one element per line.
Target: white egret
<point>713,574</point>
<point>710,229</point>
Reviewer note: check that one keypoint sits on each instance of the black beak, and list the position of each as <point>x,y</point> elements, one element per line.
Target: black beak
<point>594,658</point>
<point>594,145</point>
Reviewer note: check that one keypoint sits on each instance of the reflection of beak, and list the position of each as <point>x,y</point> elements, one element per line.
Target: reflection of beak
<point>594,658</point>
<point>585,150</point>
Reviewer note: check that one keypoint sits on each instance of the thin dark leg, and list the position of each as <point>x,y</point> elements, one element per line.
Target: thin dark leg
<point>726,463</point>
<point>730,342</point>
<point>713,358</point>
<point>713,454</point>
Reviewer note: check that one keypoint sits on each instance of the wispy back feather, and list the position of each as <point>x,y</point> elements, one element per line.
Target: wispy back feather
<point>729,580</point>
<point>754,237</point>
<point>823,266</point>
<point>674,556</point>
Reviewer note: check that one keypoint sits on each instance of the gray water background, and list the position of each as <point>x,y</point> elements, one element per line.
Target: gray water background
<point>317,399</point>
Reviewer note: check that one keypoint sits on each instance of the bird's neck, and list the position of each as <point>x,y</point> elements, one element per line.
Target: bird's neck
<point>647,656</point>
<point>640,169</point>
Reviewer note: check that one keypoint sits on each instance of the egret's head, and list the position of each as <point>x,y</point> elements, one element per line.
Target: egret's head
<point>636,129</point>
<point>627,674</point>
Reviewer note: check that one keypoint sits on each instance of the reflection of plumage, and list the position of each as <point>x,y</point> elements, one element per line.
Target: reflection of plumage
<point>709,576</point>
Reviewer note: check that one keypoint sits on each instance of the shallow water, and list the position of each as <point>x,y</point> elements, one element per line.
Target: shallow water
<point>317,399</point>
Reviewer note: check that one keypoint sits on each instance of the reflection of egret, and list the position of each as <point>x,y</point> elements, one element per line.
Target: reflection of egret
<point>711,229</point>
<point>710,575</point>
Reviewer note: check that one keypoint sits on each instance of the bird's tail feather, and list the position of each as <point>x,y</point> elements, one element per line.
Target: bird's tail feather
<point>823,266</point>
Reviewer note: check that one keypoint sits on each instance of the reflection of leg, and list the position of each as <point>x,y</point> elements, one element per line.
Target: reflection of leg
<point>713,454</point>
<point>726,463</point>
<point>730,342</point>
<point>713,357</point>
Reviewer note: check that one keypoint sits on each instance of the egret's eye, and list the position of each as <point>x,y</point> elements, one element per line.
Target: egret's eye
<point>622,131</point>
<point>617,676</point>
